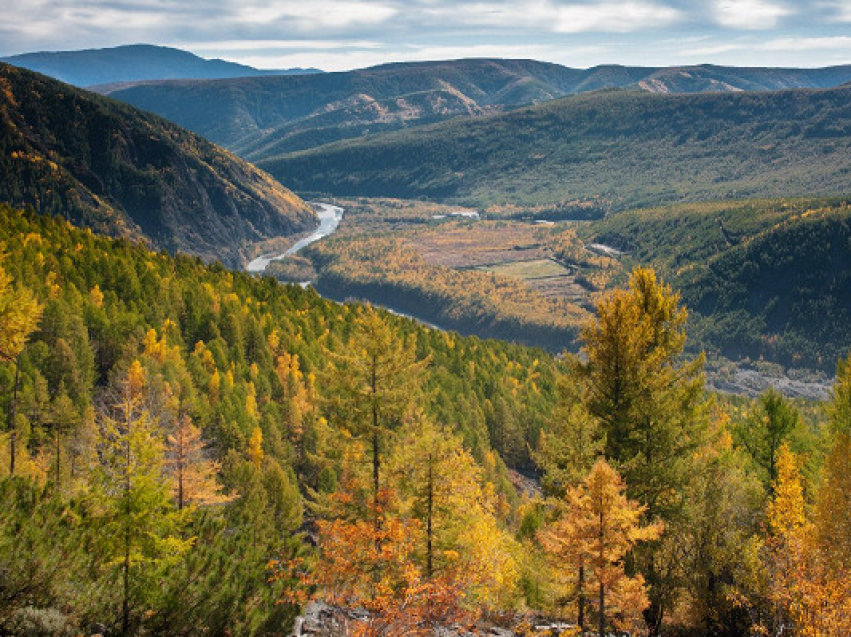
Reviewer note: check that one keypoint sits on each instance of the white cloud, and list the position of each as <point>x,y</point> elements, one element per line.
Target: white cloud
<point>316,14</point>
<point>835,44</point>
<point>547,16</point>
<point>841,11</point>
<point>615,17</point>
<point>749,14</point>
<point>341,60</point>
<point>808,44</point>
<point>216,47</point>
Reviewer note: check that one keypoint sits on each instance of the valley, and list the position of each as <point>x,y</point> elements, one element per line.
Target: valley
<point>525,348</point>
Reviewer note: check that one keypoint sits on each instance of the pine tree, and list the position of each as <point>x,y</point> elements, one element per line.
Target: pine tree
<point>766,430</point>
<point>570,445</point>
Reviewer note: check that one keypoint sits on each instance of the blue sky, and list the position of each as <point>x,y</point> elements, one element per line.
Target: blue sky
<point>345,34</point>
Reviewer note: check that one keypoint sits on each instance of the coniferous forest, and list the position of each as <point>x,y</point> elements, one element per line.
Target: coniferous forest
<point>189,450</point>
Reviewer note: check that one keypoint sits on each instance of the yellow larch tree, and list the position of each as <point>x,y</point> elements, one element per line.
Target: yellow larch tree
<point>597,528</point>
<point>440,485</point>
<point>19,315</point>
<point>194,475</point>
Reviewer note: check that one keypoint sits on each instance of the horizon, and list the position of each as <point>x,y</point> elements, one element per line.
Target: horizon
<point>340,35</point>
<point>222,58</point>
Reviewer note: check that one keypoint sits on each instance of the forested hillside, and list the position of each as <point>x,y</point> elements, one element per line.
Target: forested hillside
<point>251,367</point>
<point>188,450</point>
<point>616,149</point>
<point>263,117</point>
<point>109,166</point>
<point>765,279</point>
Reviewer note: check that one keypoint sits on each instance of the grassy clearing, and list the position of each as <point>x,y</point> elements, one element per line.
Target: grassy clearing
<point>526,270</point>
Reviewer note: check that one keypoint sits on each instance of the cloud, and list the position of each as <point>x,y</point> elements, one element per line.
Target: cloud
<point>315,15</point>
<point>337,34</point>
<point>602,17</point>
<point>749,14</point>
<point>360,58</point>
<point>830,43</point>
<point>841,11</point>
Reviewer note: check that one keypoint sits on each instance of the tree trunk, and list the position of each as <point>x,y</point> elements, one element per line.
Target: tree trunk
<point>600,574</point>
<point>58,465</point>
<point>14,417</point>
<point>376,460</point>
<point>125,606</point>
<point>580,616</point>
<point>180,486</point>
<point>430,509</point>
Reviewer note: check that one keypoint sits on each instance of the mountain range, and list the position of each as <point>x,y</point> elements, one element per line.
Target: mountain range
<point>104,164</point>
<point>617,148</point>
<point>261,117</point>
<point>132,63</point>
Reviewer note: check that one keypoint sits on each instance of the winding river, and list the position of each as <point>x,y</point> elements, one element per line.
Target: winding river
<point>329,219</point>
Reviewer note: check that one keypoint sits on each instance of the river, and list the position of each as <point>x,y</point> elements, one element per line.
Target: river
<point>329,219</point>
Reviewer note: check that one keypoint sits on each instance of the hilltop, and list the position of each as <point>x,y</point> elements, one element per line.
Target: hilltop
<point>261,117</point>
<point>131,63</point>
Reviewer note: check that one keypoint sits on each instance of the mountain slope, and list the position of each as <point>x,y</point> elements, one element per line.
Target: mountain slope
<point>104,164</point>
<point>131,63</point>
<point>762,279</point>
<point>262,117</point>
<point>622,149</point>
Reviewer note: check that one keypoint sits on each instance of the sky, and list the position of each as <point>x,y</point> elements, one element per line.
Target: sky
<point>345,34</point>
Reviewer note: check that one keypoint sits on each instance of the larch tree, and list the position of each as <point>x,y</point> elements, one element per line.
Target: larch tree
<point>373,385</point>
<point>833,513</point>
<point>440,485</point>
<point>766,430</point>
<point>194,475</point>
<point>129,490</point>
<point>569,446</point>
<point>19,315</point>
<point>649,404</point>
<point>598,527</point>
<point>566,453</point>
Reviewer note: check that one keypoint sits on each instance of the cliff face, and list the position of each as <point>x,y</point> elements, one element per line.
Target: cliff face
<point>123,172</point>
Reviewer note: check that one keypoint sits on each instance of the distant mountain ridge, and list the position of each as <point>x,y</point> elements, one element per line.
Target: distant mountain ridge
<point>106,165</point>
<point>131,63</point>
<point>621,149</point>
<point>261,117</point>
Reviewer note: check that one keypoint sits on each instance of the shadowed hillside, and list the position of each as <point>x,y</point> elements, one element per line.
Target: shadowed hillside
<point>106,165</point>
